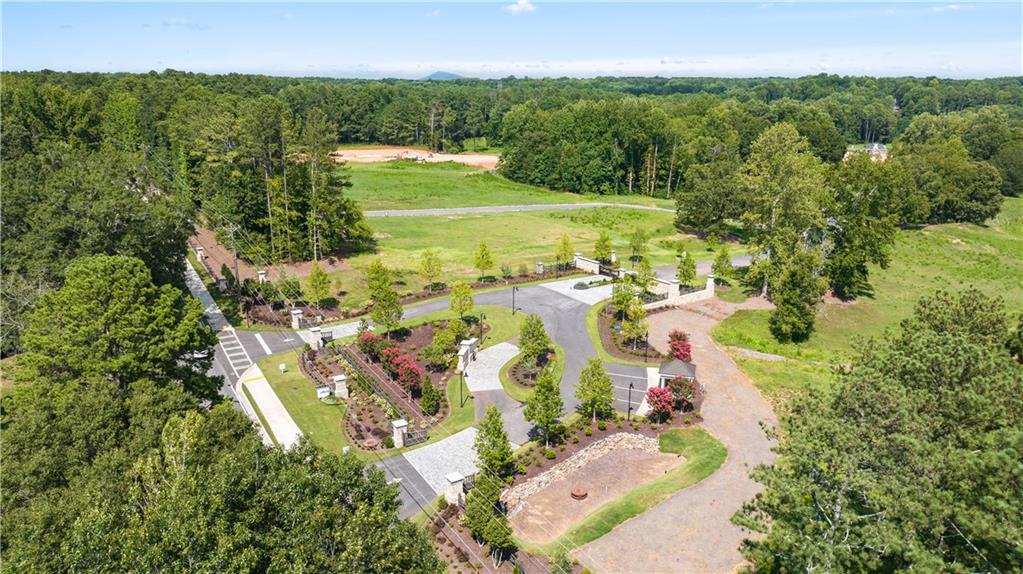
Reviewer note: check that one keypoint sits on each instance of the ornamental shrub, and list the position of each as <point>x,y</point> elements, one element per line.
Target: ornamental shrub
<point>681,349</point>
<point>661,401</point>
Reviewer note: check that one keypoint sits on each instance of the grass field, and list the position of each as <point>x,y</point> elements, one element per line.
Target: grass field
<point>949,257</point>
<point>407,185</point>
<point>514,239</point>
<point>703,453</point>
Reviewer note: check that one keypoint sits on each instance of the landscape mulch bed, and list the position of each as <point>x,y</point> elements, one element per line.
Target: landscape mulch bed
<point>534,462</point>
<point>620,349</point>
<point>527,378</point>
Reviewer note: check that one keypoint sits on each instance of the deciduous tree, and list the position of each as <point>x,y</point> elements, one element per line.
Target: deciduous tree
<point>483,260</point>
<point>545,406</point>
<point>386,310</point>
<point>429,267</point>
<point>460,298</point>
<point>602,247</point>
<point>595,390</point>
<point>493,451</point>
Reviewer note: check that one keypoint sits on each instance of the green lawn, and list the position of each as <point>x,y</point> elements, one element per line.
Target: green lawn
<point>703,453</point>
<point>950,257</point>
<point>320,422</point>
<point>409,185</point>
<point>514,239</point>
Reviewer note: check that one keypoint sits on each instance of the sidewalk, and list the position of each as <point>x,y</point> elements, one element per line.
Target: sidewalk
<point>280,423</point>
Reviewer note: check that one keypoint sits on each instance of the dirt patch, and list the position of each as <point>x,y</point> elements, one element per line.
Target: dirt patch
<point>551,512</point>
<point>218,255</point>
<point>391,153</point>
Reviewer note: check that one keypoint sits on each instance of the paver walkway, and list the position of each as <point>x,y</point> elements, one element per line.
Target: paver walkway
<point>692,530</point>
<point>434,461</point>
<point>505,209</point>
<point>484,374</point>
<point>282,426</point>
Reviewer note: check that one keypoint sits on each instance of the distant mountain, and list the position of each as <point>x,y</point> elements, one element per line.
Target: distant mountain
<point>442,76</point>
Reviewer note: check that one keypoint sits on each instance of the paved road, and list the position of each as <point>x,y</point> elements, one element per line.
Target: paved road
<point>692,530</point>
<point>505,209</point>
<point>702,267</point>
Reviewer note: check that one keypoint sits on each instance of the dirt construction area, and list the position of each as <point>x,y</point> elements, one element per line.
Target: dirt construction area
<point>552,511</point>
<point>390,153</point>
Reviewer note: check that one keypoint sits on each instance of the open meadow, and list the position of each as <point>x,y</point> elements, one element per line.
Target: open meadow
<point>410,185</point>
<point>951,257</point>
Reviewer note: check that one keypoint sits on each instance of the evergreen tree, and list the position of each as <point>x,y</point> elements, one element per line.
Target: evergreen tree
<point>722,266</point>
<point>493,451</point>
<point>319,284</point>
<point>918,442</point>
<point>796,296</point>
<point>595,390</point>
<point>686,273</point>
<point>545,406</point>
<point>431,398</point>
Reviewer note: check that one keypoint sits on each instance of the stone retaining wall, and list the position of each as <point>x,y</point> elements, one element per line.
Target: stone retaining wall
<point>515,496</point>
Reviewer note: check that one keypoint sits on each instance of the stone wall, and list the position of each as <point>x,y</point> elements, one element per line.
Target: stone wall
<point>586,264</point>
<point>677,299</point>
<point>515,496</point>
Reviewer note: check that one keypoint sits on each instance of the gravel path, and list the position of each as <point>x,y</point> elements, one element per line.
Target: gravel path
<point>692,530</point>
<point>504,209</point>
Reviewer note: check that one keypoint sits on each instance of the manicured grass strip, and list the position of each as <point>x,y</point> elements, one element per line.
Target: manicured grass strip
<point>592,317</point>
<point>423,516</point>
<point>259,414</point>
<point>503,325</point>
<point>320,422</point>
<point>704,454</point>
<point>519,392</point>
<point>780,381</point>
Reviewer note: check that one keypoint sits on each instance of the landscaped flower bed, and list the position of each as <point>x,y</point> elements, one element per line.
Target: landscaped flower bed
<point>615,344</point>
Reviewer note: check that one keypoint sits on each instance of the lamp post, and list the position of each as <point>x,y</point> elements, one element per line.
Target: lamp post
<point>514,289</point>
<point>461,383</point>
<point>629,416</point>
<point>483,319</point>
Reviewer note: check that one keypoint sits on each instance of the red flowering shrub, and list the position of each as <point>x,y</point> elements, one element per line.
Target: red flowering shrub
<point>684,392</point>
<point>681,349</point>
<point>389,358</point>
<point>410,375</point>
<point>368,343</point>
<point>661,401</point>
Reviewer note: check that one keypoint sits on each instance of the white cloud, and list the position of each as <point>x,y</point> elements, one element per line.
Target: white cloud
<point>433,13</point>
<point>948,8</point>
<point>520,7</point>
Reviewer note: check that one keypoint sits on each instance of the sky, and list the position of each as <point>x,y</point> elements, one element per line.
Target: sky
<point>519,37</point>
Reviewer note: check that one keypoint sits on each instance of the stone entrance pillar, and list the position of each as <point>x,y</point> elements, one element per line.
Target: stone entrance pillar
<point>261,276</point>
<point>317,340</point>
<point>453,492</point>
<point>398,432</point>
<point>341,387</point>
<point>296,318</point>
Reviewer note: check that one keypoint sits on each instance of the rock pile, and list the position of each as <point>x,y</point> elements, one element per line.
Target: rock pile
<point>514,497</point>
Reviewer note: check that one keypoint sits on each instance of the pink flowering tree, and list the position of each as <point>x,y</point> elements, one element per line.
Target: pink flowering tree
<point>661,401</point>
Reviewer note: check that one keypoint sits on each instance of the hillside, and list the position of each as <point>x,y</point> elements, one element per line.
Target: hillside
<point>950,257</point>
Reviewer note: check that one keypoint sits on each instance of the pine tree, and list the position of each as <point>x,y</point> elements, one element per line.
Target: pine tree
<point>319,284</point>
<point>545,406</point>
<point>493,450</point>
<point>595,390</point>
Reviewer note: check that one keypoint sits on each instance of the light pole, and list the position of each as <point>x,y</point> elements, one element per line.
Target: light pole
<point>514,289</point>
<point>483,319</point>
<point>629,416</point>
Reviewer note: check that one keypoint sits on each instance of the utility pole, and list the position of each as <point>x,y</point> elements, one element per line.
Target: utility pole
<point>234,247</point>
